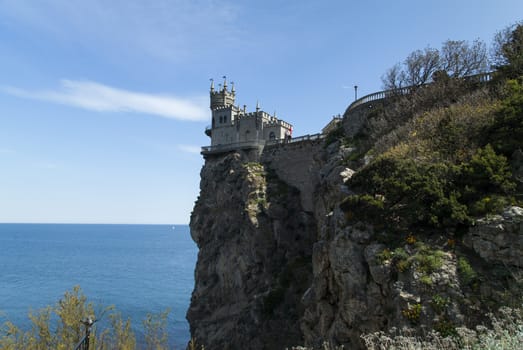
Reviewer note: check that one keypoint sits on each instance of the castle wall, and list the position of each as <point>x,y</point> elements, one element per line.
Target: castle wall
<point>224,135</point>
<point>298,165</point>
<point>354,119</point>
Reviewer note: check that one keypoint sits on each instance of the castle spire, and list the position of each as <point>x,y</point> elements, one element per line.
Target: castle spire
<point>212,85</point>
<point>224,83</point>
<point>257,106</point>
<point>232,87</point>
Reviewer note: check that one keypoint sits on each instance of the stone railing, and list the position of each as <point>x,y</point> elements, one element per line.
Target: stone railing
<point>258,144</point>
<point>298,139</point>
<point>232,147</point>
<point>382,95</point>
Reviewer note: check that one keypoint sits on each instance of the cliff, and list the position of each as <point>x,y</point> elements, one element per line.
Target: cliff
<point>357,233</point>
<point>254,262</point>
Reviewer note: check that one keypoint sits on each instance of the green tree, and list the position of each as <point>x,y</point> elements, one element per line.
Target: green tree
<point>508,51</point>
<point>506,132</point>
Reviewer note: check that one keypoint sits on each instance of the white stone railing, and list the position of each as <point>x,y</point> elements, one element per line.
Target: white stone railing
<point>382,95</point>
<point>258,144</point>
<point>232,146</point>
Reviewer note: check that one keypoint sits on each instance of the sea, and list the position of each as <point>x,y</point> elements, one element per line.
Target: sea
<point>139,269</point>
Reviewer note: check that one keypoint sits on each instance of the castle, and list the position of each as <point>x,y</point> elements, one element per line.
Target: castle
<point>234,128</point>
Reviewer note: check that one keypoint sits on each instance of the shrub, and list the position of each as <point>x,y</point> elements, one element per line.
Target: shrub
<point>428,260</point>
<point>68,330</point>
<point>445,328</point>
<point>506,132</point>
<point>363,207</point>
<point>334,135</point>
<point>156,331</point>
<point>384,255</point>
<point>412,313</point>
<point>439,303</point>
<point>426,280</point>
<point>413,192</point>
<point>466,272</point>
<point>487,172</point>
<point>506,334</point>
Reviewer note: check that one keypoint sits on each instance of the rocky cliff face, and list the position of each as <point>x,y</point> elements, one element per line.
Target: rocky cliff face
<point>254,262</point>
<point>272,274</point>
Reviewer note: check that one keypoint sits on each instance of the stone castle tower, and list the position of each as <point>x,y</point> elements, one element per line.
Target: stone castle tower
<point>233,127</point>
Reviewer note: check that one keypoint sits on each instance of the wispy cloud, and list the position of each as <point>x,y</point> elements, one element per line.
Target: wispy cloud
<point>98,97</point>
<point>190,149</point>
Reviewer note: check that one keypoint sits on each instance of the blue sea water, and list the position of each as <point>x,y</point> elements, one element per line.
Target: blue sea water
<point>139,269</point>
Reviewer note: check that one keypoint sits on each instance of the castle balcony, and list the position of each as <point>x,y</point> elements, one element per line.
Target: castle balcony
<point>208,130</point>
<point>247,145</point>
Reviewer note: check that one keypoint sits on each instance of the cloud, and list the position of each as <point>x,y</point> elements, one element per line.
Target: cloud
<point>190,149</point>
<point>102,98</point>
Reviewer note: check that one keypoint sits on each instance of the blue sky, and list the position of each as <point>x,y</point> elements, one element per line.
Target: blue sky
<point>103,104</point>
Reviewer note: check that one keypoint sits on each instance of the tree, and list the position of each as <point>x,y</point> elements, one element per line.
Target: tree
<point>456,59</point>
<point>507,55</point>
<point>459,59</point>
<point>392,79</point>
<point>420,65</point>
<point>417,69</point>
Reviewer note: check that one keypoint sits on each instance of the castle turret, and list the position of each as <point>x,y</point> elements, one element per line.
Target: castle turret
<point>223,97</point>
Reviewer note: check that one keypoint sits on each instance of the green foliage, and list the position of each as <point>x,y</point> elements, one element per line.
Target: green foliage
<point>412,313</point>
<point>487,172</point>
<point>510,52</point>
<point>466,272</point>
<point>335,135</point>
<point>489,204</point>
<point>427,260</point>
<point>426,280</point>
<point>119,336</point>
<point>439,303</point>
<point>403,192</point>
<point>384,256</point>
<point>506,132</point>
<point>445,328</point>
<point>155,326</point>
<point>399,258</point>
<point>68,330</point>
<point>363,207</point>
<point>409,192</point>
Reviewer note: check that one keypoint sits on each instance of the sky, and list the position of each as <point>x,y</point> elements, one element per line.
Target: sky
<point>103,104</point>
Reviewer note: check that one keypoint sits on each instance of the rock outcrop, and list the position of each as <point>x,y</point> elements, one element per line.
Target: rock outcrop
<point>254,262</point>
<point>499,238</point>
<point>280,265</point>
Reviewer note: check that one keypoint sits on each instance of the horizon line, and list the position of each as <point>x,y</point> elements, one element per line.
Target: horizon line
<point>88,223</point>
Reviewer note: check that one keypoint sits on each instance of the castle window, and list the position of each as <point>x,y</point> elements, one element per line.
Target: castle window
<point>225,119</point>
<point>221,119</point>
<point>272,136</point>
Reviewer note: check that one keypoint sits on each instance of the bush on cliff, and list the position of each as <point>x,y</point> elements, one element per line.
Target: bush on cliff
<point>506,131</point>
<point>403,192</point>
